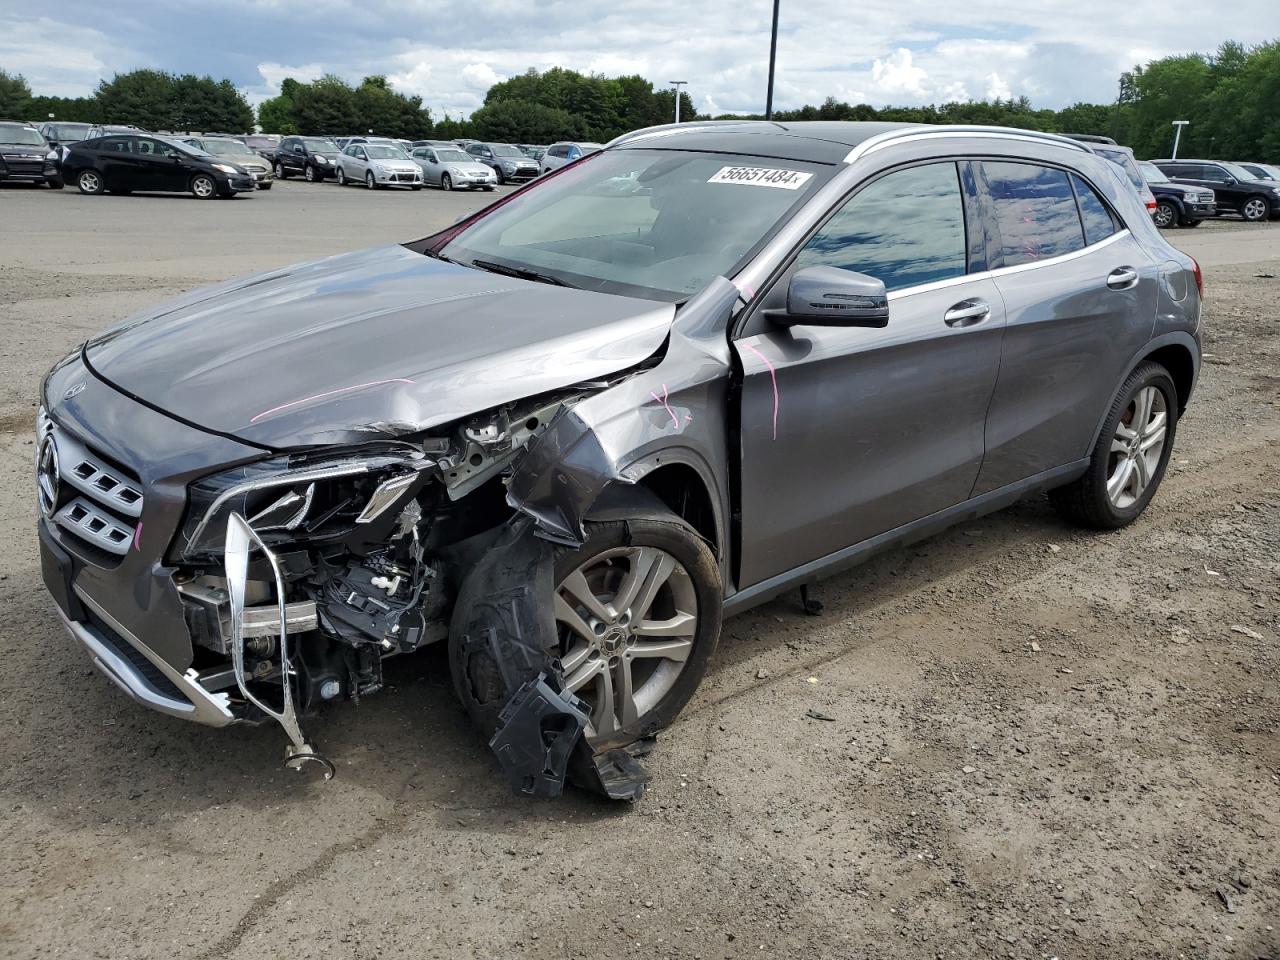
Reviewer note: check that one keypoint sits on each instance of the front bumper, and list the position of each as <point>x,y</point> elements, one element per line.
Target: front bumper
<point>398,179</point>
<point>522,173</point>
<point>1200,211</point>
<point>27,171</point>
<point>239,184</point>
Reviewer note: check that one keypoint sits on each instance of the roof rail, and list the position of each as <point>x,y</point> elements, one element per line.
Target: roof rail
<point>929,131</point>
<point>667,129</point>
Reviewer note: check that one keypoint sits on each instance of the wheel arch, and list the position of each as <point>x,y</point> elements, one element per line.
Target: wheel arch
<point>1177,352</point>
<point>677,485</point>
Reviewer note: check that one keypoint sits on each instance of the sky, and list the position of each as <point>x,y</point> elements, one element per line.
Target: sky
<point>901,52</point>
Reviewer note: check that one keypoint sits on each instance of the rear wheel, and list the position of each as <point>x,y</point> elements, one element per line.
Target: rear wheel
<point>1166,215</point>
<point>1131,454</point>
<point>203,187</point>
<point>1255,209</point>
<point>89,181</point>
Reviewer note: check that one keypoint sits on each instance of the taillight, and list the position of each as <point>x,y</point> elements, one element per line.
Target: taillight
<point>1151,204</point>
<point>1199,278</point>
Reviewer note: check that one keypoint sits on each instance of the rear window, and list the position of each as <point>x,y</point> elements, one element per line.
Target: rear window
<point>1098,221</point>
<point>1036,212</point>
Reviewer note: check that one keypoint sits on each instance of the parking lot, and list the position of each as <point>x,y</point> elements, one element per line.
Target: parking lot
<point>1014,740</point>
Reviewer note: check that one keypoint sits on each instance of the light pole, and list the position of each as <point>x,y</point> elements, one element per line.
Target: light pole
<point>773,59</point>
<point>678,84</point>
<point>1177,135</point>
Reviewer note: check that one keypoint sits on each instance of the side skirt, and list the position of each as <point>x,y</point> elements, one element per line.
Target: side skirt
<point>921,529</point>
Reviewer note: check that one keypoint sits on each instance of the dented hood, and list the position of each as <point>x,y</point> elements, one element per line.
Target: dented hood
<point>375,343</point>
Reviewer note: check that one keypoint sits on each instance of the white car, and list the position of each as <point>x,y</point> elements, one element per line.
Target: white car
<point>450,168</point>
<point>378,165</point>
<point>559,154</point>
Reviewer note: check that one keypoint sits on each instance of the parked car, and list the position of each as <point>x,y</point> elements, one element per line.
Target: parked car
<point>124,163</point>
<point>558,154</point>
<point>61,135</point>
<point>316,158</point>
<point>505,161</point>
<point>1178,204</point>
<point>264,144</point>
<point>532,151</point>
<point>26,156</point>
<point>377,165</point>
<point>450,168</point>
<point>1262,171</point>
<point>1123,158</point>
<point>570,433</point>
<point>106,129</point>
<point>1234,188</point>
<point>237,152</point>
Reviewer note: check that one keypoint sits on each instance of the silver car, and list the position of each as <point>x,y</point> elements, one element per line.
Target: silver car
<point>559,154</point>
<point>450,167</point>
<point>237,152</point>
<point>378,165</point>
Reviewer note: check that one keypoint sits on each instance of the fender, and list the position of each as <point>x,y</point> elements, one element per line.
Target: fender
<point>1173,338</point>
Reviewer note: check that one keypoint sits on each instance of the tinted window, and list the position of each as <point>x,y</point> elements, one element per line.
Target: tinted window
<point>906,229</point>
<point>558,151</point>
<point>1207,172</point>
<point>1098,222</point>
<point>117,145</point>
<point>1035,210</point>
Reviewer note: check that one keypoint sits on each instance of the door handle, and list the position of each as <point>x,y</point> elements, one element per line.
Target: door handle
<point>966,313</point>
<point>1122,278</point>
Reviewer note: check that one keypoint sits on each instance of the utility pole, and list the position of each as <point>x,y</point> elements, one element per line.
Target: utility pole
<point>1177,136</point>
<point>678,84</point>
<point>773,60</point>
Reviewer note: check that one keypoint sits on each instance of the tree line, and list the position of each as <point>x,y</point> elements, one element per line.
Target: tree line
<point>1231,98</point>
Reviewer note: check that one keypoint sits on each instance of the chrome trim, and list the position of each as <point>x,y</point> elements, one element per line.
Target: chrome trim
<point>265,621</point>
<point>92,476</point>
<point>922,132</point>
<point>385,496</point>
<point>210,709</point>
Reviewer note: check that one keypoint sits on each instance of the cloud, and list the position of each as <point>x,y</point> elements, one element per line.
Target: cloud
<point>997,89</point>
<point>896,74</point>
<point>480,75</point>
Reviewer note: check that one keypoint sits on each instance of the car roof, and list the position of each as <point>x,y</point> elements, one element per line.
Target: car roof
<point>818,141</point>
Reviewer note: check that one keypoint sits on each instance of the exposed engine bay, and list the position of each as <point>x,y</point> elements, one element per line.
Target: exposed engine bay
<point>309,571</point>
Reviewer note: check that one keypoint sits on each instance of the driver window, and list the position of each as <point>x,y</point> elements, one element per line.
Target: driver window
<point>907,228</point>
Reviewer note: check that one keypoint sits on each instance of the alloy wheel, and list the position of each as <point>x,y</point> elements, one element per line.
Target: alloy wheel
<point>1165,215</point>
<point>1255,209</point>
<point>342,178</point>
<point>90,182</point>
<point>446,182</point>
<point>626,619</point>
<point>1137,447</point>
<point>369,181</point>
<point>279,170</point>
<point>309,174</point>
<point>202,187</point>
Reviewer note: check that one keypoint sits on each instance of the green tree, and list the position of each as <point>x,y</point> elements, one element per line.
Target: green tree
<point>15,96</point>
<point>205,104</point>
<point>524,121</point>
<point>326,107</point>
<point>144,98</point>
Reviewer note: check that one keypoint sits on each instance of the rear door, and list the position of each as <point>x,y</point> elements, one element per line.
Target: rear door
<point>849,432</point>
<point>115,156</point>
<point>1080,293</point>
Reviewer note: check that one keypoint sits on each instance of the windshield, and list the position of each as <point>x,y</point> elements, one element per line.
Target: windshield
<point>320,146</point>
<point>12,133</point>
<point>69,132</point>
<point>1240,173</point>
<point>1151,173</point>
<point>454,156</point>
<point>227,148</point>
<point>379,151</point>
<point>652,223</point>
<point>501,150</point>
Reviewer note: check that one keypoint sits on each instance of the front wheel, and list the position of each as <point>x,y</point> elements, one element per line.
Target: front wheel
<point>281,172</point>
<point>342,178</point>
<point>1255,209</point>
<point>55,183</point>
<point>1130,457</point>
<point>1166,215</point>
<point>309,174</point>
<point>446,182</point>
<point>369,181</point>
<point>637,610</point>
<point>89,181</point>
<point>203,187</point>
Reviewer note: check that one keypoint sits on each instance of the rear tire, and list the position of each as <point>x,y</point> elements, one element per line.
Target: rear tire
<point>662,685</point>
<point>1255,209</point>
<point>90,182</point>
<point>1130,457</point>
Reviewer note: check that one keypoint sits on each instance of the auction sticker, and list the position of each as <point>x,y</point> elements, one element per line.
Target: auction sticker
<point>762,177</point>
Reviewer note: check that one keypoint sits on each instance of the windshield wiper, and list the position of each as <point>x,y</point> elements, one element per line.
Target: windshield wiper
<point>522,273</point>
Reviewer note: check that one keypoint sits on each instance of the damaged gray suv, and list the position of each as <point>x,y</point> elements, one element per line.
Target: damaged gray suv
<point>567,435</point>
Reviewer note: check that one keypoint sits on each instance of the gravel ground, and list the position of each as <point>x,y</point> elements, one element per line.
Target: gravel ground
<point>1035,742</point>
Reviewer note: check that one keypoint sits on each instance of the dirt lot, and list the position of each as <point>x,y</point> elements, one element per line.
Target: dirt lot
<point>1042,743</point>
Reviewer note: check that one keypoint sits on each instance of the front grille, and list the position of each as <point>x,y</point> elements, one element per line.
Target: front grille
<point>96,502</point>
<point>1204,198</point>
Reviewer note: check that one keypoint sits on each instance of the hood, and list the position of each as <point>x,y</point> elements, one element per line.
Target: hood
<point>40,150</point>
<point>380,342</point>
<point>1181,189</point>
<point>471,167</point>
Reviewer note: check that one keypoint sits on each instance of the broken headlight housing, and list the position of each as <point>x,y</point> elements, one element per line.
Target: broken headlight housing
<point>296,499</point>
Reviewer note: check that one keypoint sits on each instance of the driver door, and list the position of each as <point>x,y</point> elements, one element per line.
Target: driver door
<point>849,432</point>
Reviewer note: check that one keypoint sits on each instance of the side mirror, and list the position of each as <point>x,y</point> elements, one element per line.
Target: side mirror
<point>832,297</point>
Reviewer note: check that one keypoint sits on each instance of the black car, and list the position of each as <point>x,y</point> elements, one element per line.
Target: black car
<point>123,164</point>
<point>507,162</point>
<point>25,155</point>
<point>314,158</point>
<point>1235,189</point>
<point>1177,204</point>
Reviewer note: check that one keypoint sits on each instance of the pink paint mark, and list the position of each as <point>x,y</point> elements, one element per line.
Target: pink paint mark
<point>327,394</point>
<point>675,421</point>
<point>137,536</point>
<point>773,376</point>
